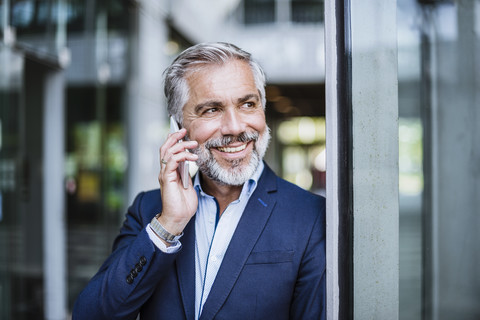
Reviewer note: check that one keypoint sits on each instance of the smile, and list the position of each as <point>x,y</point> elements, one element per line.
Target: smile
<point>231,149</point>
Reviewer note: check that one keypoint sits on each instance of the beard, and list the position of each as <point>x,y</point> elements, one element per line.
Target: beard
<point>235,173</point>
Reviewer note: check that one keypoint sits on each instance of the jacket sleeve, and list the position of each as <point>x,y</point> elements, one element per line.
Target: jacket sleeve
<point>310,290</point>
<point>130,274</point>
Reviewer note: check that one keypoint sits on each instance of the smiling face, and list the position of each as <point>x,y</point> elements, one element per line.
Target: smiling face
<point>224,114</point>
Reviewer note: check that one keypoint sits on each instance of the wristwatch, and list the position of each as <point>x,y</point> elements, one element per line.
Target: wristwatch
<point>161,232</point>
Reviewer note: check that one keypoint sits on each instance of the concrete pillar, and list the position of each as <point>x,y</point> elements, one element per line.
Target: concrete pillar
<point>147,119</point>
<point>362,159</point>
<point>54,226</point>
<point>375,159</point>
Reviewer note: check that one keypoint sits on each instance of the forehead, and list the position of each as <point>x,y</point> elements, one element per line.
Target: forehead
<point>232,75</point>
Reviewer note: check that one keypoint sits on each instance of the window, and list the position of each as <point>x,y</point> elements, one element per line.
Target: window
<point>272,11</point>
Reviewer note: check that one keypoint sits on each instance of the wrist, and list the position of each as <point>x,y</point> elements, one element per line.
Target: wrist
<point>166,234</point>
<point>162,244</point>
<point>171,226</point>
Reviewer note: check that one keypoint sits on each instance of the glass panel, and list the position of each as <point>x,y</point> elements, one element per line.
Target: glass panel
<point>11,252</point>
<point>439,107</point>
<point>118,14</point>
<point>21,258</point>
<point>410,161</point>
<point>259,11</point>
<point>77,16</point>
<point>40,25</point>
<point>95,179</point>
<point>307,11</point>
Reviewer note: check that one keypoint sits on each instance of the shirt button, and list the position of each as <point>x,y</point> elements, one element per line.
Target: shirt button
<point>214,259</point>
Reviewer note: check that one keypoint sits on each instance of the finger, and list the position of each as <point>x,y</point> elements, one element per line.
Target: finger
<point>163,162</point>
<point>172,140</point>
<point>174,137</point>
<point>169,172</point>
<point>169,166</point>
<point>173,162</point>
<point>183,156</point>
<point>180,147</point>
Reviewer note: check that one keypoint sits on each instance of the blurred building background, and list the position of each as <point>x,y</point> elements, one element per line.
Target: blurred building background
<point>82,116</point>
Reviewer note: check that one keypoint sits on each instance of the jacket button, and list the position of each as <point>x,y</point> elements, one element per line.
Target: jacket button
<point>133,272</point>
<point>143,261</point>
<point>138,267</point>
<point>129,279</point>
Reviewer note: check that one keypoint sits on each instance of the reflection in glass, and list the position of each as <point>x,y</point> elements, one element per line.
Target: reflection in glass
<point>439,148</point>
<point>411,159</point>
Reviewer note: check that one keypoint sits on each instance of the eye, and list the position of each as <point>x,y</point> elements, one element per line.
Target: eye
<point>249,105</point>
<point>210,111</point>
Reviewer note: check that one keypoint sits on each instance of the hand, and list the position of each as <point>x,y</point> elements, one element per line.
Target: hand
<point>179,204</point>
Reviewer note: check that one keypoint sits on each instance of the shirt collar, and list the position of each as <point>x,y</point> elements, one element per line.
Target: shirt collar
<point>247,188</point>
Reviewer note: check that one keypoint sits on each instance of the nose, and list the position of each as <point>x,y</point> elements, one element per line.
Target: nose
<point>232,122</point>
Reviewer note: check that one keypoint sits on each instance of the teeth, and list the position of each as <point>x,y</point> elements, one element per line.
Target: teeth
<point>228,149</point>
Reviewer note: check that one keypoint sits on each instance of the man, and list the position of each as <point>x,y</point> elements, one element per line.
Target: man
<point>239,242</point>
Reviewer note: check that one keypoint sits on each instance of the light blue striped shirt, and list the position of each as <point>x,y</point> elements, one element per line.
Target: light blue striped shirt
<point>213,235</point>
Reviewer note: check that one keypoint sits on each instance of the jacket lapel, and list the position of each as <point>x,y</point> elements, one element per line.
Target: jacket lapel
<point>186,269</point>
<point>250,226</point>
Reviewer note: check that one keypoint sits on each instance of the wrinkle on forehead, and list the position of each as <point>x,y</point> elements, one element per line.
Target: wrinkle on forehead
<point>217,78</point>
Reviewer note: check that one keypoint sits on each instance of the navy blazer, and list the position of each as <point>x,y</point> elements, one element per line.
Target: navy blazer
<point>274,267</point>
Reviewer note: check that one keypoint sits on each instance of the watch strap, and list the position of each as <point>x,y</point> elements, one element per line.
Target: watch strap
<point>162,233</point>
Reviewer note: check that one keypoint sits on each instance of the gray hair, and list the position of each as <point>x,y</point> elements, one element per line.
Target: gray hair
<point>196,57</point>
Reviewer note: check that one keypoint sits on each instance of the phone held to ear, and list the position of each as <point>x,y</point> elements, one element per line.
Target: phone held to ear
<point>182,166</point>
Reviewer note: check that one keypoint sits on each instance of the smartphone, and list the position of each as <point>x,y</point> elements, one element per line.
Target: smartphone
<point>182,166</point>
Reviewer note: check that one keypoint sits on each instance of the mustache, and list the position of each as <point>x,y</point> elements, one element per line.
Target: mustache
<point>226,140</point>
<point>229,139</point>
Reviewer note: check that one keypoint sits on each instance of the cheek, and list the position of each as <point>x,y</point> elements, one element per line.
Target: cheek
<point>259,123</point>
<point>201,132</point>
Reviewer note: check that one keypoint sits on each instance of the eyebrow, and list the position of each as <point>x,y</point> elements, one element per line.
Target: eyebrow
<point>215,103</point>
<point>212,103</point>
<point>250,96</point>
